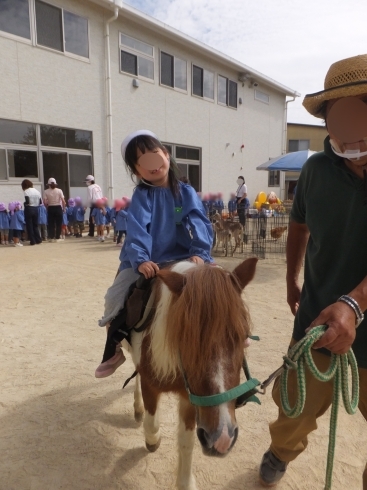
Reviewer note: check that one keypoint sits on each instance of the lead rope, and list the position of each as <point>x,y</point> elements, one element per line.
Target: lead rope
<point>298,357</point>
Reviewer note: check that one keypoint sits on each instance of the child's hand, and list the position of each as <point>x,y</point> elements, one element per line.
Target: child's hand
<point>197,260</point>
<point>148,269</point>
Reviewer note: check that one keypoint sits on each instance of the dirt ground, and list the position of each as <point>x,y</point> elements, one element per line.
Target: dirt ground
<point>60,428</point>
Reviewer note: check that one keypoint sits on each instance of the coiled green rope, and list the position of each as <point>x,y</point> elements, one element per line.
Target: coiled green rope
<point>298,357</point>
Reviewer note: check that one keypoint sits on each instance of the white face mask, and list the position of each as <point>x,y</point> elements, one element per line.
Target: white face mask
<point>89,183</point>
<point>240,181</point>
<point>352,155</point>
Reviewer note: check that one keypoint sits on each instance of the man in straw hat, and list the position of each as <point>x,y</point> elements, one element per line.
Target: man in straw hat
<point>329,228</point>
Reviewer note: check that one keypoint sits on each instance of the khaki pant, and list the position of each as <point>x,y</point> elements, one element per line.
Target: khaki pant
<point>289,436</point>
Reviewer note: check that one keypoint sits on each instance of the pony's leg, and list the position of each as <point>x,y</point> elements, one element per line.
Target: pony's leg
<point>138,401</point>
<point>151,419</point>
<point>186,441</point>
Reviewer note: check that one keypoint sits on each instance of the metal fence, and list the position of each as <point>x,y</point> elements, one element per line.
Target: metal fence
<point>263,235</point>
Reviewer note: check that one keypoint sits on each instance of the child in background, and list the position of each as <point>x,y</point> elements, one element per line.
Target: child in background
<point>42,221</point>
<point>17,222</point>
<point>121,221</point>
<point>70,215</point>
<point>218,204</point>
<point>107,216</point>
<point>4,224</point>
<point>99,218</point>
<point>232,205</point>
<point>79,212</point>
<point>113,220</point>
<point>64,226</point>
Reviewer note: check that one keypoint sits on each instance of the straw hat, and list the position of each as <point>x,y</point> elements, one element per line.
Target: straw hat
<point>344,78</point>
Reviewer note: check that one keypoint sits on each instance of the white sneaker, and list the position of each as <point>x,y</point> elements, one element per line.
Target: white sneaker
<point>59,240</point>
<point>102,239</point>
<point>18,244</point>
<point>6,243</point>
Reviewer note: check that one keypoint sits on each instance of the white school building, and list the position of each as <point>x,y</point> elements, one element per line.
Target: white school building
<point>77,76</point>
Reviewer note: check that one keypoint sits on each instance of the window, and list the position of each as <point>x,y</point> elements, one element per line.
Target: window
<point>14,18</point>
<point>66,138</point>
<point>227,92</point>
<point>298,145</point>
<point>274,178</point>
<point>3,173</point>
<point>22,163</point>
<point>262,97</point>
<point>202,83</point>
<point>173,71</point>
<point>188,161</point>
<point>61,30</point>
<point>17,132</point>
<point>137,57</point>
<point>79,167</point>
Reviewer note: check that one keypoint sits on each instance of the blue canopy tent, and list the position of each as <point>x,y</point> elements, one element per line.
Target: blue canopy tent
<point>289,162</point>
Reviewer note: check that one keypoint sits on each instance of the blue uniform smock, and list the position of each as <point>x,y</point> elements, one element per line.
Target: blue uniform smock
<point>17,221</point>
<point>42,215</point>
<point>163,228</point>
<point>79,213</point>
<point>99,217</point>
<point>121,220</point>
<point>4,220</point>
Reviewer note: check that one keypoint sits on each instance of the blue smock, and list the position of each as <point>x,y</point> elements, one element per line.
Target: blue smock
<point>232,205</point>
<point>113,217</point>
<point>108,215</point>
<point>65,220</point>
<point>42,215</point>
<point>17,221</point>
<point>70,214</point>
<point>99,217</point>
<point>162,228</point>
<point>121,220</point>
<point>4,220</point>
<point>218,206</point>
<point>79,213</point>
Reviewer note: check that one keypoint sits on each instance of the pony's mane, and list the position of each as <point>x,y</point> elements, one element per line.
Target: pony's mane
<point>207,318</point>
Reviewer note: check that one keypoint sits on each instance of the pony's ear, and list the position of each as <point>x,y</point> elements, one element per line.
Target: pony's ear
<point>173,280</point>
<point>245,272</point>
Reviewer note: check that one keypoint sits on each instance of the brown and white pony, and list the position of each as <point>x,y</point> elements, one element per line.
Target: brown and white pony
<point>199,329</point>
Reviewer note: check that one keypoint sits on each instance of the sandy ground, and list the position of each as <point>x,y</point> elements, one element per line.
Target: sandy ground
<point>61,428</point>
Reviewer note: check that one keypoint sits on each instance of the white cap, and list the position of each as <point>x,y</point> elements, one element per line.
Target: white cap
<point>131,136</point>
<point>89,178</point>
<point>51,180</point>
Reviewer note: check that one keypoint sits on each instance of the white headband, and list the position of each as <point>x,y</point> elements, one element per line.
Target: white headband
<point>131,136</point>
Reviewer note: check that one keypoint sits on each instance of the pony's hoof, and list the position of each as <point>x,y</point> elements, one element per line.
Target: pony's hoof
<point>153,447</point>
<point>138,416</point>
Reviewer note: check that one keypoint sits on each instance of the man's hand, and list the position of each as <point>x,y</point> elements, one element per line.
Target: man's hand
<point>197,260</point>
<point>293,295</point>
<point>341,320</point>
<point>148,269</point>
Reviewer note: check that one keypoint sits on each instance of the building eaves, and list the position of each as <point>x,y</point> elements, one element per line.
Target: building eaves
<point>244,71</point>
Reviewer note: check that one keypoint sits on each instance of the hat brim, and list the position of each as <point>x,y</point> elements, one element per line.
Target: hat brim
<point>313,102</point>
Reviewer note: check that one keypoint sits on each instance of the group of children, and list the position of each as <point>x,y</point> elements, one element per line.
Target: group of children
<point>104,217</point>
<point>213,202</point>
<point>13,228</point>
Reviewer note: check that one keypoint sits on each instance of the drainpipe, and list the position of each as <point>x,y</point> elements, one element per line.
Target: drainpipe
<point>109,105</point>
<point>284,150</point>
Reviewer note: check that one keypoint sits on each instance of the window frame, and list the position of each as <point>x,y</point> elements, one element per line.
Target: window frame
<point>192,83</point>
<point>63,52</point>
<point>33,31</point>
<point>39,148</point>
<point>275,176</point>
<point>227,92</point>
<point>298,140</point>
<point>260,100</point>
<point>177,89</point>
<point>136,53</point>
<point>14,37</point>
<point>197,163</point>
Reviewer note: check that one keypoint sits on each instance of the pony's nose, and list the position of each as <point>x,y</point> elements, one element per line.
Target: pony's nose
<point>219,444</point>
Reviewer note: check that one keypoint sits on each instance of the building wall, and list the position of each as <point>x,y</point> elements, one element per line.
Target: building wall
<point>42,86</point>
<point>316,135</point>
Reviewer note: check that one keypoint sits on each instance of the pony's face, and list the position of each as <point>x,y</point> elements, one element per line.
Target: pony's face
<point>210,324</point>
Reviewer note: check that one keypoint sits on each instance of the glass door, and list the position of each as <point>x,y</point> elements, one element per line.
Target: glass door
<point>55,164</point>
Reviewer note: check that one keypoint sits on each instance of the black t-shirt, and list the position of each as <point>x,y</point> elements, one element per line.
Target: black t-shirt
<point>330,201</point>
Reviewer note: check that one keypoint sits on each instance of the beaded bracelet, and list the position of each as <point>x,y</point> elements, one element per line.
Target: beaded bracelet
<point>355,307</point>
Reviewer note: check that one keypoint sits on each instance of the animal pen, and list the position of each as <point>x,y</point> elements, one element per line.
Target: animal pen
<point>264,235</point>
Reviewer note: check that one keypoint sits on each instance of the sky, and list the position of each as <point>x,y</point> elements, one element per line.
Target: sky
<point>292,41</point>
